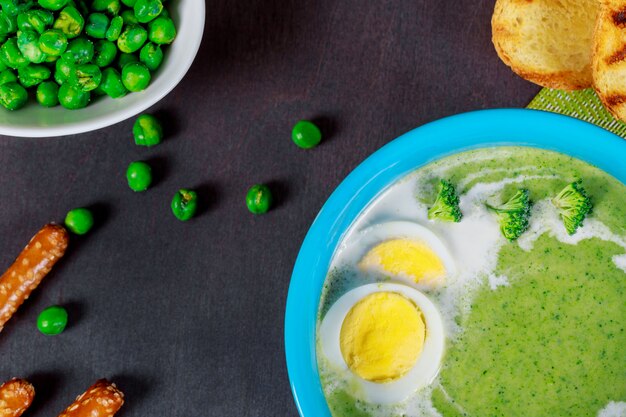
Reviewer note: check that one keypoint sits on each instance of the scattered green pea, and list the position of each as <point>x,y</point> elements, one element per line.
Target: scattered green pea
<point>52,320</point>
<point>306,135</point>
<point>184,204</point>
<point>135,76</point>
<point>53,42</point>
<point>147,130</point>
<point>13,96</point>
<point>132,38</point>
<point>73,98</point>
<point>151,56</point>
<point>70,22</point>
<point>115,28</point>
<point>79,220</point>
<point>48,94</point>
<point>139,176</point>
<point>259,199</point>
<point>162,30</point>
<point>111,83</point>
<point>104,53</point>
<point>33,74</point>
<point>147,10</point>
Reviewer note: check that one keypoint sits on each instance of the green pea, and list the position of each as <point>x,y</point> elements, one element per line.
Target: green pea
<point>33,74</point>
<point>132,38</point>
<point>184,204</point>
<point>79,220</point>
<point>135,76</point>
<point>3,66</point>
<point>162,30</point>
<point>10,7</point>
<point>28,44</point>
<point>151,56</point>
<point>51,59</point>
<point>110,6</point>
<point>48,94</point>
<point>70,22</point>
<point>125,59</point>
<point>97,25</point>
<point>53,42</point>
<point>8,24</point>
<point>104,53</point>
<point>147,10</point>
<point>63,68</point>
<point>128,16</point>
<point>52,4</point>
<point>85,77</point>
<point>52,321</point>
<point>259,199</point>
<point>306,135</point>
<point>129,3</point>
<point>111,83</point>
<point>13,96</point>
<point>139,176</point>
<point>115,28</point>
<point>7,76</point>
<point>37,20</point>
<point>11,55</point>
<point>79,51</point>
<point>72,98</point>
<point>147,130</point>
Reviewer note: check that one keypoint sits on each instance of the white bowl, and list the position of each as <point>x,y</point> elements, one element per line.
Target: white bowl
<point>37,121</point>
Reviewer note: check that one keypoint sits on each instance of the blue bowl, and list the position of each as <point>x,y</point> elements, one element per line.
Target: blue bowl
<point>412,150</point>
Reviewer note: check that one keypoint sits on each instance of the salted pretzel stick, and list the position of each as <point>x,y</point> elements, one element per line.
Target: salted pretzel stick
<point>16,396</point>
<point>35,261</point>
<point>102,399</point>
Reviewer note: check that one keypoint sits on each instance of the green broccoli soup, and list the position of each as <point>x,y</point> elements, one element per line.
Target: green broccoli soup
<point>489,283</point>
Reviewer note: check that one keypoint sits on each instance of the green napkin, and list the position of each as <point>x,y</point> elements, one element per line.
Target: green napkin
<point>583,104</point>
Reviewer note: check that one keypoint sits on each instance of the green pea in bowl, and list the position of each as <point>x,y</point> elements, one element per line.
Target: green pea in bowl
<point>35,120</point>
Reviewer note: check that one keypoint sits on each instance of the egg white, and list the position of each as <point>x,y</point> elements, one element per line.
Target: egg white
<point>421,374</point>
<point>368,238</point>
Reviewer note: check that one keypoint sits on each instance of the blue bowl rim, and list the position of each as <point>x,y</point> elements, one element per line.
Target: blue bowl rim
<point>430,142</point>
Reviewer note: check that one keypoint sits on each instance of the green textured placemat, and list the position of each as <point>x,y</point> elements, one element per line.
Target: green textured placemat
<point>583,104</point>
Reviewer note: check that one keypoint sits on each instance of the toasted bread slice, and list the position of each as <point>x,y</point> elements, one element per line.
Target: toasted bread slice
<point>609,57</point>
<point>548,42</point>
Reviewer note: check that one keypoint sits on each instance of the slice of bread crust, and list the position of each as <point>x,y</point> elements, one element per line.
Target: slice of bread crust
<point>609,57</point>
<point>548,42</point>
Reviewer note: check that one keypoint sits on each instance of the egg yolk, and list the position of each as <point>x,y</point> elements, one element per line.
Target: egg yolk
<point>382,336</point>
<point>412,259</point>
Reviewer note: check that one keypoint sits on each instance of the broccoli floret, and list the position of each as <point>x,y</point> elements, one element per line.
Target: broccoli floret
<point>573,205</point>
<point>513,215</point>
<point>446,206</point>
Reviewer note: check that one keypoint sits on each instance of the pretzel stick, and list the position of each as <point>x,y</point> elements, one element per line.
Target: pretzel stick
<point>102,399</point>
<point>16,396</point>
<point>30,267</point>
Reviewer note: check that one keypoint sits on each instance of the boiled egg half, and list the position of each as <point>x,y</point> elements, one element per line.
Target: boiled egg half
<point>388,338</point>
<point>405,250</point>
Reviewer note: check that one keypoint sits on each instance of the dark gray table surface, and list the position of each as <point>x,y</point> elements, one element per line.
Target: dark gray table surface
<point>187,318</point>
